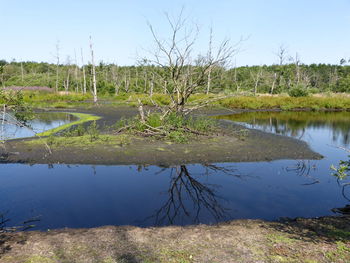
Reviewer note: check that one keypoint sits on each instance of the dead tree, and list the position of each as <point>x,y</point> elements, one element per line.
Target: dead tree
<point>66,82</point>
<point>76,72</point>
<point>256,80</point>
<point>83,68</point>
<point>22,72</point>
<point>94,88</point>
<point>115,77</point>
<point>57,63</point>
<point>210,56</point>
<point>185,71</point>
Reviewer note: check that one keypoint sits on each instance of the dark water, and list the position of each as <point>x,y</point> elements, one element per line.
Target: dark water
<point>41,122</point>
<point>89,196</point>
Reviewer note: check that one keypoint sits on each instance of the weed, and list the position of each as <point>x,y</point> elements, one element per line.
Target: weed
<point>93,131</point>
<point>340,254</point>
<point>178,137</point>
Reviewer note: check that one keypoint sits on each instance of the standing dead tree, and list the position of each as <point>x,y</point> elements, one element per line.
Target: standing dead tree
<point>57,63</point>
<point>83,68</point>
<point>94,90</point>
<point>185,72</point>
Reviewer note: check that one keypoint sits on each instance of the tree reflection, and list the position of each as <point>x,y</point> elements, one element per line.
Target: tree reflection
<point>303,168</point>
<point>295,124</point>
<point>25,225</point>
<point>189,199</point>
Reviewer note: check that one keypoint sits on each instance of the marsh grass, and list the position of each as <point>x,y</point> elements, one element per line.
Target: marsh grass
<point>324,101</point>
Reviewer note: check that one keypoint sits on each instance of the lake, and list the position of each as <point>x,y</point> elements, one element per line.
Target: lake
<point>57,196</point>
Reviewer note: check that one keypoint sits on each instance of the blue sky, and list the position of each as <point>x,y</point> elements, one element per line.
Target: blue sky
<point>317,30</point>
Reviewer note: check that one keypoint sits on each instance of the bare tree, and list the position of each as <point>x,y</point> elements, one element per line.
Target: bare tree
<point>185,71</point>
<point>256,80</point>
<point>94,91</point>
<point>282,54</point>
<point>66,82</point>
<point>22,72</point>
<point>76,72</point>
<point>210,56</point>
<point>57,63</point>
<point>115,77</point>
<point>83,68</point>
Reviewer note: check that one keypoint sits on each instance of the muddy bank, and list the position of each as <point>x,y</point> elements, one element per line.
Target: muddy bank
<point>234,144</point>
<point>300,240</point>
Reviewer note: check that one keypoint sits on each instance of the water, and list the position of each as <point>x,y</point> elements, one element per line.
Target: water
<point>41,122</point>
<point>90,196</point>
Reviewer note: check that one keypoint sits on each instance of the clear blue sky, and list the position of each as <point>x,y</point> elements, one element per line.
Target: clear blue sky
<point>317,29</point>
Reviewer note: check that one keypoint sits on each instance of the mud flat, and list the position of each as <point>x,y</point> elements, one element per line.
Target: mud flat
<point>233,143</point>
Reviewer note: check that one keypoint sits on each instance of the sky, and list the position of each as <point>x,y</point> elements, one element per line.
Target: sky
<point>318,30</point>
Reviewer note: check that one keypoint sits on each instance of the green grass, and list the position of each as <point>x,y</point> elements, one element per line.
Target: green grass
<point>83,117</point>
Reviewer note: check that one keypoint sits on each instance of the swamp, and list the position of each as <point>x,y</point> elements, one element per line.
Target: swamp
<point>174,142</point>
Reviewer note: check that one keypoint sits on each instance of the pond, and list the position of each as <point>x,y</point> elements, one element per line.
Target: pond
<point>57,196</point>
<point>40,123</point>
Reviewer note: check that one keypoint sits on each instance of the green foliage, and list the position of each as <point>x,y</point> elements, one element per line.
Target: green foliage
<point>173,127</point>
<point>298,91</point>
<point>14,102</point>
<point>93,131</point>
<point>76,131</point>
<point>342,170</point>
<point>113,79</point>
<point>178,137</point>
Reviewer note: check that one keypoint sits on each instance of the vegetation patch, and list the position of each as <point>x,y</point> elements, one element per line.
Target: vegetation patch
<point>172,127</point>
<point>340,254</point>
<point>83,117</point>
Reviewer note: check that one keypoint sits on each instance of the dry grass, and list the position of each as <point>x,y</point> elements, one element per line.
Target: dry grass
<point>303,240</point>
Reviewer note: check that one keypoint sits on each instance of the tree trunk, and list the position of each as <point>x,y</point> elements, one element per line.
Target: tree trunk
<point>83,67</point>
<point>93,73</point>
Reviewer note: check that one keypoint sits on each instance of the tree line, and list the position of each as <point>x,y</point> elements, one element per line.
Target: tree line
<point>113,79</point>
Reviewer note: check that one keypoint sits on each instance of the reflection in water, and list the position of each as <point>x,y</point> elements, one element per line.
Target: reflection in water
<point>25,225</point>
<point>188,197</point>
<point>41,122</point>
<point>295,124</point>
<point>90,196</point>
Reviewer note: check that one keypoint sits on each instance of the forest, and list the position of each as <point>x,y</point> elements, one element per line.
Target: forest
<point>294,78</point>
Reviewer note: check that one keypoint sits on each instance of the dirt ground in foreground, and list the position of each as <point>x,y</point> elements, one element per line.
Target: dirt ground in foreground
<point>300,240</point>
<point>233,143</point>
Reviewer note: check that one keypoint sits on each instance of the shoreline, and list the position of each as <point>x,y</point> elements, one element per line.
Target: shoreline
<point>236,144</point>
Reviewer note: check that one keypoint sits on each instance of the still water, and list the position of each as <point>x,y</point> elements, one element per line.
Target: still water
<point>89,196</point>
<point>41,122</point>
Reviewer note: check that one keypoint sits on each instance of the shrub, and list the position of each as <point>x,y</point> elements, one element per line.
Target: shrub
<point>298,91</point>
<point>93,131</point>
